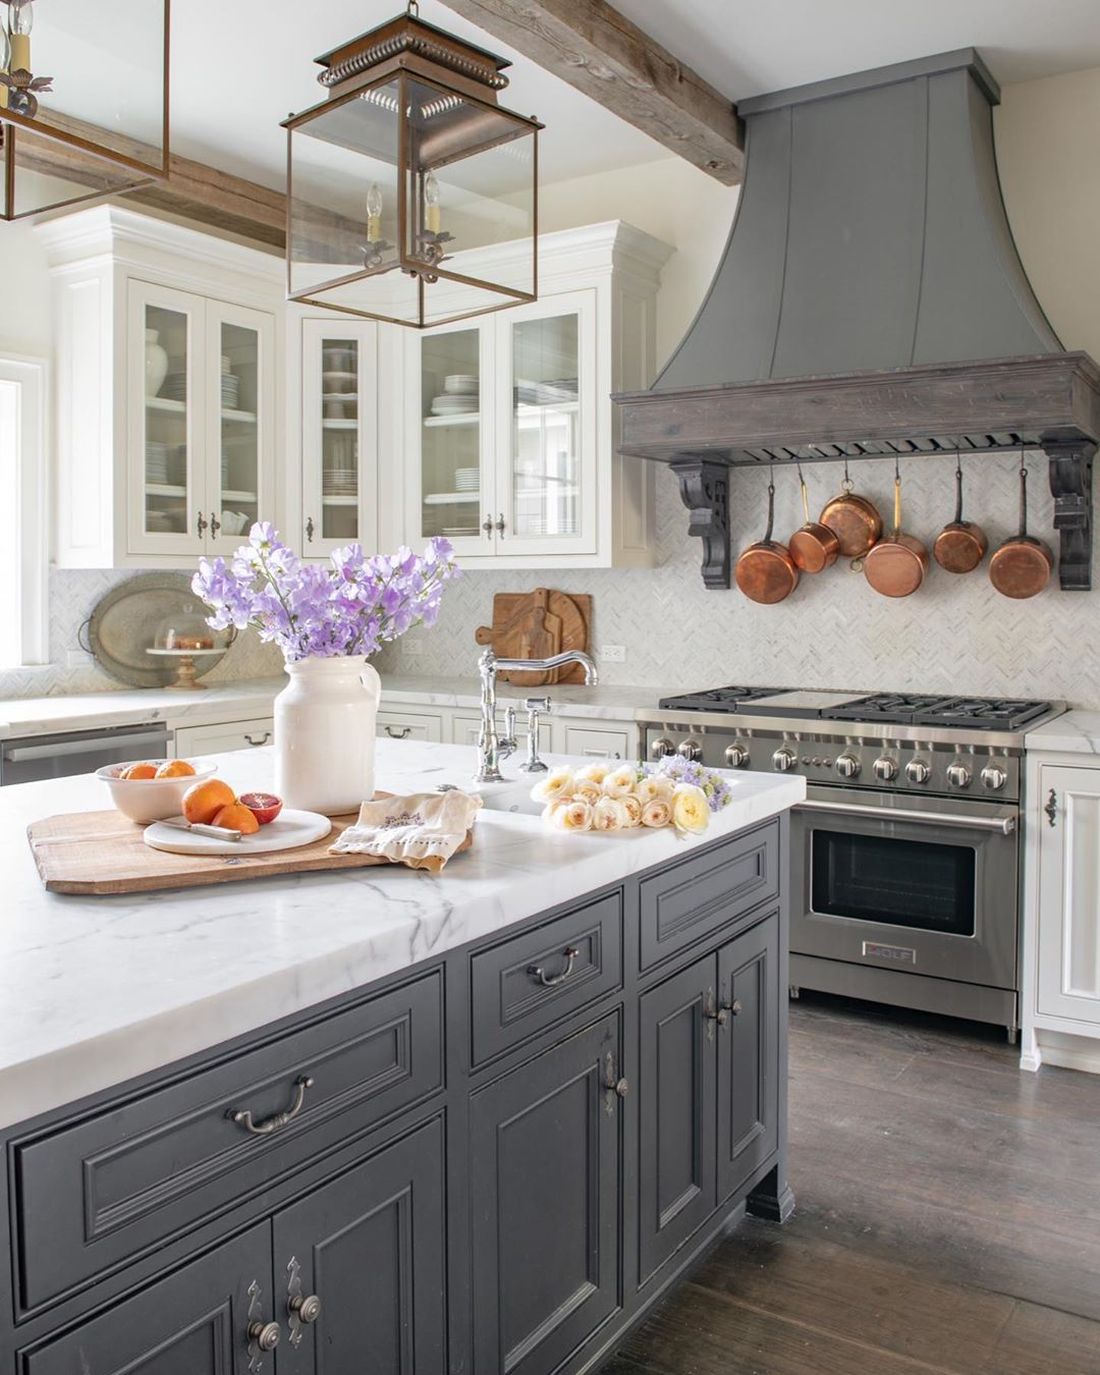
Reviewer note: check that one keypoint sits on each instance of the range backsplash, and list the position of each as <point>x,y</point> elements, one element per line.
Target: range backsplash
<point>955,635</point>
<point>72,597</point>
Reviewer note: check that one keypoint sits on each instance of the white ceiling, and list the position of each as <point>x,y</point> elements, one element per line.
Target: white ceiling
<point>742,47</point>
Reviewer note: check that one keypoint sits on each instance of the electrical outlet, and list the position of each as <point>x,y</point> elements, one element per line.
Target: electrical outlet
<point>413,648</point>
<point>613,654</point>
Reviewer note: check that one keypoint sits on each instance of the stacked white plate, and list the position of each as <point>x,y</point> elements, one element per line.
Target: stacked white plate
<point>460,384</point>
<point>467,479</point>
<point>156,461</point>
<point>175,386</point>
<point>454,405</point>
<point>231,391</point>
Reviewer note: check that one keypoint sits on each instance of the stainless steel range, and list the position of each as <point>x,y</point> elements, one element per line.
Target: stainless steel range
<point>906,853</point>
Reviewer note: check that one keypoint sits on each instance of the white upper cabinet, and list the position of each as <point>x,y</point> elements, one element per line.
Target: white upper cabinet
<point>168,351</point>
<point>509,440</point>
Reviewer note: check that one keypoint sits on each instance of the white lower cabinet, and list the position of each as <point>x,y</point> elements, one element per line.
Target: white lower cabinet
<point>465,729</point>
<point>226,736</point>
<point>410,725</point>
<point>612,742</point>
<point>1061,993</point>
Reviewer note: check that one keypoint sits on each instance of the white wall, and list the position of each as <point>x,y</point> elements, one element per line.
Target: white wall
<point>25,294</point>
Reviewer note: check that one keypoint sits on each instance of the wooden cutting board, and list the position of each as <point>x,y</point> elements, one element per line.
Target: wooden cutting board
<point>536,625</point>
<point>103,854</point>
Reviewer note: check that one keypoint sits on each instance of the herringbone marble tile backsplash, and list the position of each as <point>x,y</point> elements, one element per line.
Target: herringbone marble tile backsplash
<point>955,635</point>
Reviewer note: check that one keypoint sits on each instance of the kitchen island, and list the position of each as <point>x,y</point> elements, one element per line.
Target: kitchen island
<point>518,1098</point>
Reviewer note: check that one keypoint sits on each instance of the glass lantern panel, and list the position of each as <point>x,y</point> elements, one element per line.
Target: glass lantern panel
<point>339,438</point>
<point>167,411</point>
<point>47,173</point>
<point>108,73</point>
<point>343,191</point>
<point>239,428</point>
<point>545,416</point>
<point>450,435</point>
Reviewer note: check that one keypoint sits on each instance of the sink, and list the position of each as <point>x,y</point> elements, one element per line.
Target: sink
<point>511,796</point>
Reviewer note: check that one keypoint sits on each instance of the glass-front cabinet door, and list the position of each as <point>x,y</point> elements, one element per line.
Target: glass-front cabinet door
<point>339,436</point>
<point>240,383</point>
<point>546,427</point>
<point>165,387</point>
<point>450,424</point>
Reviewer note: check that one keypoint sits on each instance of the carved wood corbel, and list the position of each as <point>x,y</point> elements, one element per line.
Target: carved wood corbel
<point>705,491</point>
<point>1071,488</point>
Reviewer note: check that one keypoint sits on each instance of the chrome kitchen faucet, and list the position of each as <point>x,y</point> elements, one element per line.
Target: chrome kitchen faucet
<point>491,749</point>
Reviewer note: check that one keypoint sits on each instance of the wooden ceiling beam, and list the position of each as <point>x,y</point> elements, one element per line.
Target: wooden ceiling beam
<point>601,53</point>
<point>218,200</point>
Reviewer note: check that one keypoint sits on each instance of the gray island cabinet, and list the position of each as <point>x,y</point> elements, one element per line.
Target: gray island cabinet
<point>491,1161</point>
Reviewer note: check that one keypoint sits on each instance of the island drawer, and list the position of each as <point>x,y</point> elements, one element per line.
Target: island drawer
<point>683,904</point>
<point>114,1184</point>
<point>525,984</point>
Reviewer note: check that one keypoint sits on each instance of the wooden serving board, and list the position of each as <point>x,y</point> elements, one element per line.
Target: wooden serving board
<point>537,625</point>
<point>99,854</point>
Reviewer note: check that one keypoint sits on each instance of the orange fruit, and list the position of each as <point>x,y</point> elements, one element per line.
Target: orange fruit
<point>138,771</point>
<point>235,816</point>
<point>176,768</point>
<point>202,800</point>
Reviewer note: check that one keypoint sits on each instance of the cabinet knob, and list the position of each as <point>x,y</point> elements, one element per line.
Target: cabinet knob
<point>215,525</point>
<point>310,528</point>
<point>307,1307</point>
<point>200,524</point>
<point>264,1334</point>
<point>487,526</point>
<point>499,527</point>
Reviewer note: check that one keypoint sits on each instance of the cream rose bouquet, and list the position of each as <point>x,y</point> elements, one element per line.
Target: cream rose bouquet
<point>621,797</point>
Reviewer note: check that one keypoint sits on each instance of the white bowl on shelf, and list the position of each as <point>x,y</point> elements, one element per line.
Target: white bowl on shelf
<point>460,384</point>
<point>149,799</point>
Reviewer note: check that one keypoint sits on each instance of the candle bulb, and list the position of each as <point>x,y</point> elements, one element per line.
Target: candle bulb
<point>374,213</point>
<point>5,54</point>
<point>21,21</point>
<point>431,204</point>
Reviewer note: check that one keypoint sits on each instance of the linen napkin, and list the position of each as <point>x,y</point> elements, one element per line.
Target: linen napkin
<point>422,830</point>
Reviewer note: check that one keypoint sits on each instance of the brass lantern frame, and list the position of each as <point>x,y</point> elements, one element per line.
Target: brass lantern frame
<point>408,50</point>
<point>77,140</point>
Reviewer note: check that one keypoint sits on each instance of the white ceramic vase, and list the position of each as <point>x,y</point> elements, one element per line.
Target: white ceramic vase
<point>324,734</point>
<point>156,363</point>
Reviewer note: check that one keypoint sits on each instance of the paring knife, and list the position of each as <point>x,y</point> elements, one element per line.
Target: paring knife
<point>218,832</point>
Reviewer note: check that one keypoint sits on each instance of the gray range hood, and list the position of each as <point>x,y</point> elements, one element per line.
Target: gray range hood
<point>870,302</point>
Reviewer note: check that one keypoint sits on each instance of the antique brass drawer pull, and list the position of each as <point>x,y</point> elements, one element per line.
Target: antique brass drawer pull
<point>243,1118</point>
<point>537,972</point>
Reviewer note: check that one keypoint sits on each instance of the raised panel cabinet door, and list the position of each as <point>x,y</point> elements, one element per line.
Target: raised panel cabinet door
<point>748,1054</point>
<point>359,1267</point>
<point>676,1092</point>
<point>1068,830</point>
<point>195,1322</point>
<point>545,1183</point>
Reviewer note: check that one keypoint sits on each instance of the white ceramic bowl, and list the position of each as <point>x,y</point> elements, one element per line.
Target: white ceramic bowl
<point>149,799</point>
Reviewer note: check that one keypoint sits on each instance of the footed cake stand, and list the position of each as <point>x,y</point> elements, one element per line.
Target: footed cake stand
<point>186,674</point>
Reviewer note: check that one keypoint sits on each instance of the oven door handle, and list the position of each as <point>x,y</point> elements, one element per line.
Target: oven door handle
<point>1005,825</point>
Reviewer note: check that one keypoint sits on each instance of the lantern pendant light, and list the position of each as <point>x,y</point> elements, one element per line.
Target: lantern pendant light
<point>412,194</point>
<point>97,125</point>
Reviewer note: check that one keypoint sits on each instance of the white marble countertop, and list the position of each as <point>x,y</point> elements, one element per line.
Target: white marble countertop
<point>1077,732</point>
<point>22,717</point>
<point>94,991</point>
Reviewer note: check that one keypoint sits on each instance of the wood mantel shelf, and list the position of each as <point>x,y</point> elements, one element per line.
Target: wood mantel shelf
<point>1045,401</point>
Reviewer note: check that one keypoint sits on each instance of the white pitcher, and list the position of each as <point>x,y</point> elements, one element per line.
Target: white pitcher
<point>324,734</point>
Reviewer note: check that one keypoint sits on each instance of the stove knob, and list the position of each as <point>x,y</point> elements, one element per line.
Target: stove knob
<point>847,765</point>
<point>917,771</point>
<point>886,769</point>
<point>690,749</point>
<point>660,747</point>
<point>784,760</point>
<point>737,756</point>
<point>994,777</point>
<point>958,775</point>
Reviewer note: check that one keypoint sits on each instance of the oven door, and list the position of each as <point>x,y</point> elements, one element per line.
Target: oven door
<point>925,885</point>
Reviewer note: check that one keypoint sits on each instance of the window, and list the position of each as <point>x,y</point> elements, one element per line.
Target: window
<point>23,540</point>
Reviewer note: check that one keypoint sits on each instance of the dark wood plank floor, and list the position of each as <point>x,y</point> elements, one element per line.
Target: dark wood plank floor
<point>947,1222</point>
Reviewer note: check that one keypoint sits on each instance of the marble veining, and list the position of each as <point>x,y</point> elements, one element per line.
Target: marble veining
<point>96,990</point>
<point>1077,732</point>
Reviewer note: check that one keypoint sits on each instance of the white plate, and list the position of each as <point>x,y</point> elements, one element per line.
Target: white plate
<point>288,831</point>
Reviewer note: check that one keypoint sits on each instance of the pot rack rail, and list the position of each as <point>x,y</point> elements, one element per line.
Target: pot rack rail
<point>1047,402</point>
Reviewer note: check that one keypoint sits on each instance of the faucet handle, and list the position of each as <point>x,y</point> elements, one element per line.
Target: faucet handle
<point>541,704</point>
<point>508,743</point>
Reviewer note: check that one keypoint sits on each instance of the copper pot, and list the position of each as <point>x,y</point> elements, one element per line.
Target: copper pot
<point>765,571</point>
<point>1022,565</point>
<point>813,546</point>
<point>854,521</point>
<point>961,545</point>
<point>896,566</point>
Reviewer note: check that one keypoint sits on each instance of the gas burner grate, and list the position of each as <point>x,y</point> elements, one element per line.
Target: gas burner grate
<point>914,709</point>
<point>718,699</point>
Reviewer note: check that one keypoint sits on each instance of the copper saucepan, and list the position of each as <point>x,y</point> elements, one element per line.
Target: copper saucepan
<point>813,546</point>
<point>961,545</point>
<point>765,571</point>
<point>896,566</point>
<point>854,521</point>
<point>1022,565</point>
